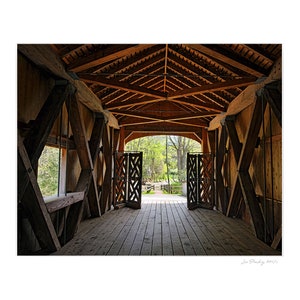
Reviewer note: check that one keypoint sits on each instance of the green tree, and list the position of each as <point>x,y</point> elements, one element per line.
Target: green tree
<point>48,171</point>
<point>179,147</point>
<point>155,162</point>
<point>153,156</point>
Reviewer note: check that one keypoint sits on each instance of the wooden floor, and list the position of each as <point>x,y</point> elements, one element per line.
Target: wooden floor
<point>164,226</point>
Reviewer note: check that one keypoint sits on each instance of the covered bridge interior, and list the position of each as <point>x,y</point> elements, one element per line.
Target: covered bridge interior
<point>89,100</point>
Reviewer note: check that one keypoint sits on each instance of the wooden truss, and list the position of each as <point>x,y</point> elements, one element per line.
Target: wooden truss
<point>29,150</point>
<point>87,153</point>
<point>243,154</point>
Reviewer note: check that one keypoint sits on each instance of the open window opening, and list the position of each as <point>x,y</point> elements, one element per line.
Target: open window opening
<point>50,171</point>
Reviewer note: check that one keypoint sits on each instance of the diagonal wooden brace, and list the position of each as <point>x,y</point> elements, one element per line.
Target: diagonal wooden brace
<point>34,204</point>
<point>242,175</point>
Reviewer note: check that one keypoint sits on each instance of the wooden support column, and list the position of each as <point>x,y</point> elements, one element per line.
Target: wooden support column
<point>219,164</point>
<point>34,205</point>
<point>204,140</point>
<point>122,140</point>
<point>212,141</point>
<point>115,133</point>
<point>236,195</point>
<point>106,188</point>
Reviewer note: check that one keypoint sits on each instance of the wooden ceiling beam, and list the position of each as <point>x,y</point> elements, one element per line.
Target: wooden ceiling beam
<point>148,100</point>
<point>226,59</point>
<point>153,70</point>
<point>99,79</point>
<point>197,104</point>
<point>202,74</point>
<point>197,81</point>
<point>132,135</point>
<point>194,123</point>
<point>218,86</point>
<point>163,117</point>
<point>69,49</point>
<point>104,56</point>
<point>133,102</point>
<point>166,67</point>
<point>142,58</point>
<point>166,127</point>
<point>138,69</point>
<point>260,52</point>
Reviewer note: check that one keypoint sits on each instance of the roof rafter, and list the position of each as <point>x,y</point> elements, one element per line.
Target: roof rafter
<point>120,85</point>
<point>226,59</point>
<point>104,56</point>
<point>212,87</point>
<point>139,59</point>
<point>147,100</point>
<point>163,117</point>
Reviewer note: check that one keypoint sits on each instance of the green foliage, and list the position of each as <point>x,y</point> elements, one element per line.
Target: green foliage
<point>48,171</point>
<point>154,150</point>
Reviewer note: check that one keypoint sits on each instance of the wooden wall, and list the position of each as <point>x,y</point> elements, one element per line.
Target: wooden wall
<point>34,87</point>
<point>265,168</point>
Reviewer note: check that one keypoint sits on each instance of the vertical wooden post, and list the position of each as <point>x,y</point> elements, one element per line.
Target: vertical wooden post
<point>106,188</point>
<point>212,142</point>
<point>116,139</point>
<point>122,140</point>
<point>219,165</point>
<point>204,140</point>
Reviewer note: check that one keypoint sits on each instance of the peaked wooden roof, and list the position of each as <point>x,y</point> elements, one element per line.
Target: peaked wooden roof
<point>164,88</point>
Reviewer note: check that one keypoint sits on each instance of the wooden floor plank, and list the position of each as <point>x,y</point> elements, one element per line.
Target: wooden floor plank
<point>148,238</point>
<point>140,235</point>
<point>87,230</point>
<point>157,233</point>
<point>199,231</point>
<point>164,226</point>
<point>102,239</point>
<point>185,241</point>
<point>217,231</point>
<point>122,229</point>
<point>128,243</point>
<point>117,240</point>
<point>167,248</point>
<point>176,242</point>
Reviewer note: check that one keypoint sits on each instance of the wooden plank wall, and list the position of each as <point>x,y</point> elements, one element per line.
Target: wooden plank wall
<point>31,98</point>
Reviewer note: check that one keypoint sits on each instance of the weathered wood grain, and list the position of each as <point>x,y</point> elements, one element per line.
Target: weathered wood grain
<point>165,227</point>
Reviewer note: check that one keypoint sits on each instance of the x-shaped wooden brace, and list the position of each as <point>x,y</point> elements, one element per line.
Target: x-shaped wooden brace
<point>87,153</point>
<point>243,155</point>
<point>29,151</point>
